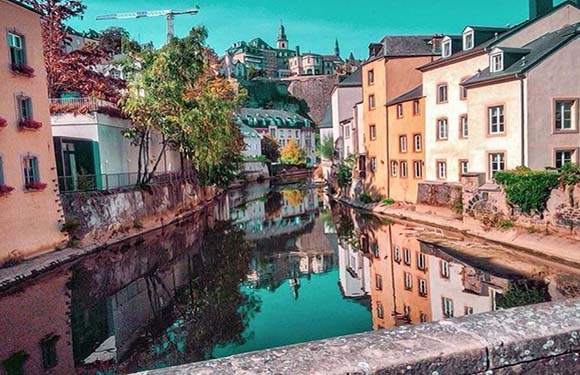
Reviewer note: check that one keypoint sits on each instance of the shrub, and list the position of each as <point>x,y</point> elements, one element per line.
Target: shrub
<point>292,154</point>
<point>388,201</point>
<point>505,224</point>
<point>570,174</point>
<point>528,190</point>
<point>366,198</point>
<point>70,226</point>
<point>327,148</point>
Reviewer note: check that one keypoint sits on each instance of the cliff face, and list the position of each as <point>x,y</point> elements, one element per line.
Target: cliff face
<point>316,91</point>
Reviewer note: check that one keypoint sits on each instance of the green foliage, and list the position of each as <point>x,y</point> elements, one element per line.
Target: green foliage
<point>365,198</point>
<point>458,206</point>
<point>523,293</point>
<point>327,148</point>
<point>270,148</point>
<point>344,172</point>
<point>528,190</point>
<point>273,95</point>
<point>292,154</point>
<point>506,224</point>
<point>177,93</point>
<point>388,201</point>
<point>570,174</point>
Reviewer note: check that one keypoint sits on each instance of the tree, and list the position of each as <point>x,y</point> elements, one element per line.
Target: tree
<point>292,154</point>
<point>327,148</point>
<point>72,71</point>
<point>115,40</point>
<point>176,91</point>
<point>270,148</point>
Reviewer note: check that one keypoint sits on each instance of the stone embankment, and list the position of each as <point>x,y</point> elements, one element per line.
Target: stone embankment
<point>541,339</point>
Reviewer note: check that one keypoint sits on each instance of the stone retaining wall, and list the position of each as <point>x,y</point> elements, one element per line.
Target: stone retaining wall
<point>541,339</point>
<point>439,194</point>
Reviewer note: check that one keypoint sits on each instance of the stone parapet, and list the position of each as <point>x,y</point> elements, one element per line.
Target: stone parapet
<point>541,339</point>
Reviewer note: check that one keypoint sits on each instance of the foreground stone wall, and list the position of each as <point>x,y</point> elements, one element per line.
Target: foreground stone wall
<point>439,194</point>
<point>541,339</point>
<point>101,215</point>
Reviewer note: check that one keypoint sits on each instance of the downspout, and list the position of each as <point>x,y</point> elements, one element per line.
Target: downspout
<point>387,162</point>
<point>523,118</point>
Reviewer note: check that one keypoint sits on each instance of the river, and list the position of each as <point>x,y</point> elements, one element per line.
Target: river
<point>263,267</point>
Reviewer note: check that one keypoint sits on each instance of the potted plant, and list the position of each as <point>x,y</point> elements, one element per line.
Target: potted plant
<point>5,189</point>
<point>36,186</point>
<point>23,69</point>
<point>30,124</point>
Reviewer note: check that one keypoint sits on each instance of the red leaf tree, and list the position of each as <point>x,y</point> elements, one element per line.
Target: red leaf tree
<point>72,71</point>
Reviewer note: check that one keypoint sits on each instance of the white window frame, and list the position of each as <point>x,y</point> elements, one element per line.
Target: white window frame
<point>496,120</point>
<point>446,47</point>
<point>467,46</point>
<point>496,62</point>
<point>372,102</point>
<point>442,169</point>
<point>394,168</point>
<point>444,269</point>
<point>421,262</point>
<point>464,119</point>
<point>442,93</point>
<point>561,113</point>
<point>403,143</point>
<point>442,129</point>
<point>418,169</point>
<point>418,142</point>
<point>447,307</point>
<point>407,256</point>
<point>399,111</point>
<point>422,287</point>
<point>408,281</point>
<point>464,166</point>
<point>403,169</point>
<point>573,157</point>
<point>497,162</point>
<point>397,254</point>
<point>373,132</point>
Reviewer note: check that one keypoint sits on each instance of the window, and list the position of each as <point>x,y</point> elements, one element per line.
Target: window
<point>407,311</point>
<point>442,129</point>
<point>416,108</point>
<point>25,108</point>
<point>399,111</point>
<point>468,40</point>
<point>48,346</point>
<point>422,287</point>
<point>418,169</point>
<point>421,263</point>
<point>346,131</point>
<point>496,163</point>
<point>496,120</point>
<point>468,310</point>
<point>373,132</point>
<point>394,168</point>
<point>447,48</point>
<point>444,269</point>
<point>463,167</point>
<point>376,250</point>
<point>380,310</point>
<point>462,92</point>
<point>379,282</point>
<point>31,173</point>
<point>371,77</point>
<point>407,256</point>
<point>364,244</point>
<point>496,64</point>
<point>442,170</point>
<point>408,281</point>
<point>442,93</point>
<point>423,317</point>
<point>447,305</point>
<point>403,143</point>
<point>404,169</point>
<point>372,103</point>
<point>563,115</point>
<point>417,142</point>
<point>16,45</point>
<point>563,157</point>
<point>373,164</point>
<point>273,132</point>
<point>397,254</point>
<point>14,365</point>
<point>464,127</point>
<point>297,133</point>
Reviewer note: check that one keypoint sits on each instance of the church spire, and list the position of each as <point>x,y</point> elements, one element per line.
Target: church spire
<point>336,48</point>
<point>282,42</point>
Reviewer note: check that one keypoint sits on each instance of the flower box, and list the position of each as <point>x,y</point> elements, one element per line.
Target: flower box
<point>23,69</point>
<point>30,124</point>
<point>5,189</point>
<point>3,123</point>
<point>36,186</point>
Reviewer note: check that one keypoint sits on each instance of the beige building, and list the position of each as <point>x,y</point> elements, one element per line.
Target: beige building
<point>29,202</point>
<point>458,131</point>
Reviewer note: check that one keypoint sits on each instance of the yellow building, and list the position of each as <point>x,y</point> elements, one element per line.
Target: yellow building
<point>29,202</point>
<point>406,118</point>
<point>390,71</point>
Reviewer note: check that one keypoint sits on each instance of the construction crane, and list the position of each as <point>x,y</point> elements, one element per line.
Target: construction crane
<point>169,15</point>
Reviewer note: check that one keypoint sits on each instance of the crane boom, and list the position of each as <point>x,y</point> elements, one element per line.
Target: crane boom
<point>169,14</point>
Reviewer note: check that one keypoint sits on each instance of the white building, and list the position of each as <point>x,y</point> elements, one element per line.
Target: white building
<point>347,128</point>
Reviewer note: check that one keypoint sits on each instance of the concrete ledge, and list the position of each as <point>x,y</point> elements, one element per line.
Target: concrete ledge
<point>541,339</point>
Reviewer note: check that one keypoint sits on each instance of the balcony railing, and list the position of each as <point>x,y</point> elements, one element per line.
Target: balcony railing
<point>70,184</point>
<point>84,105</point>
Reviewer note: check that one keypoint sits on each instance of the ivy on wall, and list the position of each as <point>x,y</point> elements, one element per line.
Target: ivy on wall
<point>528,190</point>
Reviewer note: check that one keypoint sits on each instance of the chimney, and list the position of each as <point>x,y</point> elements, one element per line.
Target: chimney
<point>539,8</point>
<point>436,43</point>
<point>297,50</point>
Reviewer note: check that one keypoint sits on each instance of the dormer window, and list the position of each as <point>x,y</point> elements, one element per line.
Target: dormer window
<point>446,47</point>
<point>468,41</point>
<point>496,63</point>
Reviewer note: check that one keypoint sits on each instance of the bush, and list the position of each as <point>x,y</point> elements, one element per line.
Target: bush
<point>365,198</point>
<point>388,201</point>
<point>327,148</point>
<point>505,224</point>
<point>528,190</point>
<point>344,173</point>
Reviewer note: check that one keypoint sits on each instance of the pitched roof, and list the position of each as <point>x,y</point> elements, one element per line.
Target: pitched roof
<point>270,114</point>
<point>481,49</point>
<point>25,6</point>
<point>532,54</point>
<point>489,28</point>
<point>352,80</point>
<point>413,94</point>
<point>403,45</point>
<point>327,120</point>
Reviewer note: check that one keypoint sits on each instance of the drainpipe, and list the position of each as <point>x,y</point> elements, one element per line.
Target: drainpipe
<point>387,162</point>
<point>523,118</point>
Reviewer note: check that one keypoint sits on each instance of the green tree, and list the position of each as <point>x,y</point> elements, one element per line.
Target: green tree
<point>327,148</point>
<point>270,148</point>
<point>177,92</point>
<point>292,154</point>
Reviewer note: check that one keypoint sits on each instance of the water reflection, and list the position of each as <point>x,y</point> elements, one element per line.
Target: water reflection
<point>262,268</point>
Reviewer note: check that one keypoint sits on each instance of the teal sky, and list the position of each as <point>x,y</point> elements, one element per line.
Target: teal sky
<point>312,24</point>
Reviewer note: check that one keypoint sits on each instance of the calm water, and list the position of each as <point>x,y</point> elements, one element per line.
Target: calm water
<point>265,267</point>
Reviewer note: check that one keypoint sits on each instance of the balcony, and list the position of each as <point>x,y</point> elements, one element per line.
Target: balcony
<point>85,106</point>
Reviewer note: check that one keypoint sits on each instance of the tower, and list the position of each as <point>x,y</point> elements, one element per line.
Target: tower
<point>336,49</point>
<point>282,42</point>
